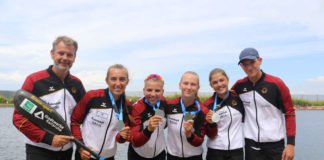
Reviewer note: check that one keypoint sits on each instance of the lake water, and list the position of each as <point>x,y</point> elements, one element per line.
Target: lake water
<point>309,141</point>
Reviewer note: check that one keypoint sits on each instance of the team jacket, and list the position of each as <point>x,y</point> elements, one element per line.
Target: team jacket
<point>229,128</point>
<point>268,107</point>
<point>62,96</point>
<point>99,122</point>
<point>177,143</point>
<point>145,143</point>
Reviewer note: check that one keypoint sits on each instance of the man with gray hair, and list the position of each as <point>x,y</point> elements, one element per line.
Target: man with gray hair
<point>61,91</point>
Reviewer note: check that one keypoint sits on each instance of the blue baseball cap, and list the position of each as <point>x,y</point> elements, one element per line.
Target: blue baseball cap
<point>248,53</point>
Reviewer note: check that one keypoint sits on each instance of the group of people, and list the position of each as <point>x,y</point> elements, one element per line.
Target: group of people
<point>249,121</point>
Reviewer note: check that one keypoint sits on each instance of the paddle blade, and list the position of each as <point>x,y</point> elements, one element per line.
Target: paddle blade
<point>38,112</point>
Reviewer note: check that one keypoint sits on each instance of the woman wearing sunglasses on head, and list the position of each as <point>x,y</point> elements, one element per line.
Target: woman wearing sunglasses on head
<point>225,109</point>
<point>186,121</point>
<point>147,133</point>
<point>103,114</point>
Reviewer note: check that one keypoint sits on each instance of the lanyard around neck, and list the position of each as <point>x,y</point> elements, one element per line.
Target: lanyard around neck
<point>184,108</point>
<point>120,113</point>
<point>157,106</point>
<point>220,103</point>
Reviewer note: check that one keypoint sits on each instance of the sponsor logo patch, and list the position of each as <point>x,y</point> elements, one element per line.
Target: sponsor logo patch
<point>28,106</point>
<point>39,115</point>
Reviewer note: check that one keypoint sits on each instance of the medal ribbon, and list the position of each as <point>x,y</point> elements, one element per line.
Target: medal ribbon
<point>220,103</point>
<point>120,113</point>
<point>184,108</point>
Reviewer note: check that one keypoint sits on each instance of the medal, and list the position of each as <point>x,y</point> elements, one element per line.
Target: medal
<point>156,108</point>
<point>160,113</point>
<point>120,125</point>
<point>215,117</point>
<point>187,116</point>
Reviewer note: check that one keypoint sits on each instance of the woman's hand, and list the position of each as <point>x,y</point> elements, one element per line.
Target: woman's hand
<point>153,123</point>
<point>125,133</point>
<point>188,126</point>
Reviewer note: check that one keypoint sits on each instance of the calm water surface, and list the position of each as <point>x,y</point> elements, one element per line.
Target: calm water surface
<point>309,141</point>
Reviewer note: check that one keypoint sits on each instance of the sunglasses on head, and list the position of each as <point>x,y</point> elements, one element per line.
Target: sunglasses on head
<point>154,76</point>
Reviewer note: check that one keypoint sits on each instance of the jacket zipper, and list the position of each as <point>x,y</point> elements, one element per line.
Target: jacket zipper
<point>157,136</point>
<point>228,131</point>
<point>104,140</point>
<point>256,115</point>
<point>181,137</point>
<point>64,107</point>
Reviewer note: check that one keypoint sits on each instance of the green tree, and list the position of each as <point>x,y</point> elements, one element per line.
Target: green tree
<point>3,99</point>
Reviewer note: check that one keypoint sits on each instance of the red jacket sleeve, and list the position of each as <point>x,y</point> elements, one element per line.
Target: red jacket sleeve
<point>289,113</point>
<point>198,138</point>
<point>138,136</point>
<point>211,129</point>
<point>29,129</point>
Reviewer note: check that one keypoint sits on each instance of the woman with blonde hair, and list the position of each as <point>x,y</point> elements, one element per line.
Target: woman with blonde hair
<point>186,121</point>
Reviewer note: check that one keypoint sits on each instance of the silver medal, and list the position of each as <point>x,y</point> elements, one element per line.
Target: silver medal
<point>188,116</point>
<point>215,117</point>
<point>120,125</point>
<point>160,113</point>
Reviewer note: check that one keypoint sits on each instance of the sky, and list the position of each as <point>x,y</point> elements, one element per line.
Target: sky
<point>167,37</point>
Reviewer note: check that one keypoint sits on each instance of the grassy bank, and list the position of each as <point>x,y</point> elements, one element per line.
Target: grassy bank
<point>302,102</point>
<point>6,105</point>
<point>296,101</point>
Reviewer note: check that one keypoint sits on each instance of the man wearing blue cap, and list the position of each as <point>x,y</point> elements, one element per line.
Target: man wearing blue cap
<point>269,112</point>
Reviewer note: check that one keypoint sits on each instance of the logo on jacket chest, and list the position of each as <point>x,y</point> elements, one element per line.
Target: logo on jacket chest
<point>103,104</point>
<point>51,89</point>
<point>54,105</point>
<point>74,90</point>
<point>264,90</point>
<point>173,121</point>
<point>223,114</point>
<point>234,103</point>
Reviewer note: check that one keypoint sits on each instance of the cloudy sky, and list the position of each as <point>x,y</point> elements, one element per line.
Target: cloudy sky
<point>167,37</point>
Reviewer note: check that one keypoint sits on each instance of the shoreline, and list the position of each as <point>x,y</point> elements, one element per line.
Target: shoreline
<point>297,107</point>
<point>309,108</point>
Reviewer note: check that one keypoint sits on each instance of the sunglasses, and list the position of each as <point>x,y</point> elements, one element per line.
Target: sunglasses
<point>154,76</point>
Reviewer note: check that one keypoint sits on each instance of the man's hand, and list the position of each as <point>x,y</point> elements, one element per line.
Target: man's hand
<point>288,153</point>
<point>61,140</point>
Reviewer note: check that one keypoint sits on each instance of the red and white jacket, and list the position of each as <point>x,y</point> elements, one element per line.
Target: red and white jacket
<point>145,143</point>
<point>62,96</point>
<point>230,125</point>
<point>95,113</point>
<point>270,115</point>
<point>178,144</point>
